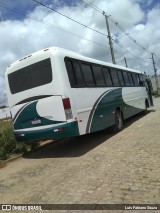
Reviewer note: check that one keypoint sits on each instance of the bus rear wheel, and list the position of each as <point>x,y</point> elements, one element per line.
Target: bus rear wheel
<point>118,125</point>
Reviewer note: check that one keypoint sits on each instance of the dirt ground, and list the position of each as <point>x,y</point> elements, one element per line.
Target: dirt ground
<point>97,168</point>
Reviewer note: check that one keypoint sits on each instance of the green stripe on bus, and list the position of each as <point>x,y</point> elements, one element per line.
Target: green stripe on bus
<point>29,113</point>
<point>67,130</point>
<point>102,114</point>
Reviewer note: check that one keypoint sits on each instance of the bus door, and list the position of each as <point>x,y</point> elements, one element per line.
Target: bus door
<point>149,90</point>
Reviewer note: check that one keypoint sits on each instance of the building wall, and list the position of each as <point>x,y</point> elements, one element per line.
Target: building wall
<point>153,80</point>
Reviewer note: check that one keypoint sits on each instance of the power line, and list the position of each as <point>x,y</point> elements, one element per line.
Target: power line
<point>54,26</point>
<point>117,24</point>
<point>84,26</point>
<point>62,29</point>
<point>128,50</point>
<point>128,35</point>
<point>70,18</point>
<point>93,6</point>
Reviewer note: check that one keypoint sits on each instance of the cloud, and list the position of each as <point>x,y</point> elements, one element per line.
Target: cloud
<point>20,37</point>
<point>148,36</point>
<point>124,11</point>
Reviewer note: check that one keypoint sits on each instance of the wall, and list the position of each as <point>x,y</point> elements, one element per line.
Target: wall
<point>153,80</point>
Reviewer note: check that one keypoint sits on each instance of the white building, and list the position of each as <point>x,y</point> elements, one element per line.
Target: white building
<point>153,80</point>
<point>4,113</point>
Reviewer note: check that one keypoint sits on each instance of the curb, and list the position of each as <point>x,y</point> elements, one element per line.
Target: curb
<point>12,159</point>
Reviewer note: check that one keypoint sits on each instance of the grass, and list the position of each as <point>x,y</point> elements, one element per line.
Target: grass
<point>5,123</point>
<point>9,146</point>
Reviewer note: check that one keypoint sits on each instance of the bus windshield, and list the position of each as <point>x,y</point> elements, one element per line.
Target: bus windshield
<point>29,77</point>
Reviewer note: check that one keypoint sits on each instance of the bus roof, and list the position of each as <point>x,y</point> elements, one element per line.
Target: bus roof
<point>72,54</point>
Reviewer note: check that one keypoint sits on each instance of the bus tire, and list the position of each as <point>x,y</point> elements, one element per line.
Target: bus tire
<point>146,106</point>
<point>118,125</point>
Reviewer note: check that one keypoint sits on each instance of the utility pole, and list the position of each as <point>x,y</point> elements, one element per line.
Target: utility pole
<point>155,74</point>
<point>125,61</point>
<point>110,38</point>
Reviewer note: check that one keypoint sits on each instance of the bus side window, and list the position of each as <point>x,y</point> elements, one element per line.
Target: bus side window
<point>121,80</point>
<point>138,80</point>
<point>98,75</point>
<point>70,71</point>
<point>141,82</point>
<point>107,77</point>
<point>88,76</point>
<point>130,79</point>
<point>78,74</point>
<point>115,78</point>
<point>135,80</point>
<point>126,78</point>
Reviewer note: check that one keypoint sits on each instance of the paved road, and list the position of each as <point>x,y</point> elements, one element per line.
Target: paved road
<point>95,168</point>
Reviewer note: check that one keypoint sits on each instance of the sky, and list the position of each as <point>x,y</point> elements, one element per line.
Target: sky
<point>26,27</point>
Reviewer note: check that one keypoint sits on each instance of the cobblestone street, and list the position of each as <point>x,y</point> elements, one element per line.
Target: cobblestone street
<point>96,168</point>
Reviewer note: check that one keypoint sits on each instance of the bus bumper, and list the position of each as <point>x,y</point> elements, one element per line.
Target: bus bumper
<point>56,132</point>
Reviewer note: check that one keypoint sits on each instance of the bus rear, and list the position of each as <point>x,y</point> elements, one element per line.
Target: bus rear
<point>38,106</point>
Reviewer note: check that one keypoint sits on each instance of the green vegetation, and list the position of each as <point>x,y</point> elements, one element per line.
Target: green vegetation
<point>8,144</point>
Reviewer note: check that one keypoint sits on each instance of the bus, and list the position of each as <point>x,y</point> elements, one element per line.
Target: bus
<point>55,93</point>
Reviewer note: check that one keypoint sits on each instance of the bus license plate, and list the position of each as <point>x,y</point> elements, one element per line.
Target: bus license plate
<point>38,121</point>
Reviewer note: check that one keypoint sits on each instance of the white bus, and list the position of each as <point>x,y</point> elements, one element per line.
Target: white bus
<point>56,93</point>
